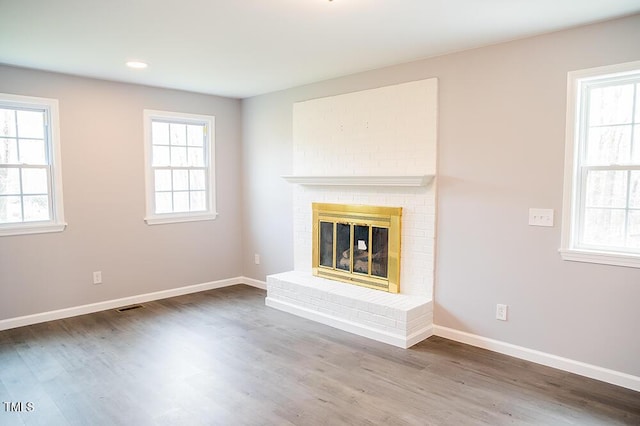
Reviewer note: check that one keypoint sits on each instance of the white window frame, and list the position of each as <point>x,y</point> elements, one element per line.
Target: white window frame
<point>210,213</point>
<point>56,222</point>
<point>572,204</point>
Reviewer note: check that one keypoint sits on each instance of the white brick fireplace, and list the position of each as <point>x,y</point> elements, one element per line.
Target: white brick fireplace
<point>376,147</point>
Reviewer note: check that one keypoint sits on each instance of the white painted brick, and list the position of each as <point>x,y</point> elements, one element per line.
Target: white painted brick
<point>384,321</point>
<point>384,311</point>
<point>373,132</point>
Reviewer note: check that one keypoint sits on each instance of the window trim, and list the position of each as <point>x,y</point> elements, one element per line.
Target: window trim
<point>57,222</point>
<point>153,218</point>
<point>571,192</point>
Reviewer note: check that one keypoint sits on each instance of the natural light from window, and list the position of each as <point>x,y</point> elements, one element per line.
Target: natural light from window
<point>30,184</point>
<point>179,167</point>
<point>602,181</point>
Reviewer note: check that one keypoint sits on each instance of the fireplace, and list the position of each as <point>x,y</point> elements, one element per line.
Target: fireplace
<point>350,152</point>
<point>357,244</point>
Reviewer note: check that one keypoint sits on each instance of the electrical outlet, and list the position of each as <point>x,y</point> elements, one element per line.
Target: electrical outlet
<point>97,277</point>
<point>256,259</point>
<point>501,312</point>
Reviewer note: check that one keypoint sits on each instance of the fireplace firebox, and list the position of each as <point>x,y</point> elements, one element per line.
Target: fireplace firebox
<point>357,244</point>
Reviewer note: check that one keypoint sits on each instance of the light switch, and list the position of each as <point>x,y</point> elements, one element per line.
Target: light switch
<point>541,217</point>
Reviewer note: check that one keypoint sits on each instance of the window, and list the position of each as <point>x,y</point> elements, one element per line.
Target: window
<point>30,178</point>
<point>601,221</point>
<point>179,167</point>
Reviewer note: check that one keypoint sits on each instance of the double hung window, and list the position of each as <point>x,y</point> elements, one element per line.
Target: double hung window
<point>602,174</point>
<point>30,176</point>
<point>179,165</point>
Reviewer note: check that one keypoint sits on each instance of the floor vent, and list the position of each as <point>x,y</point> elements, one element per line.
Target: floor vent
<point>129,308</point>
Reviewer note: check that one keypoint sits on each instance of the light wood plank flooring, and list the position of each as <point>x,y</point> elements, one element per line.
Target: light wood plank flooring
<point>222,358</point>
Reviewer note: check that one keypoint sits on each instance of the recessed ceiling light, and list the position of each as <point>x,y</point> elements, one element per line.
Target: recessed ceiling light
<point>136,64</point>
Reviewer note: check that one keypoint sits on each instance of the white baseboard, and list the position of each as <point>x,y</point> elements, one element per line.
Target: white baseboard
<point>592,371</point>
<point>254,283</point>
<point>117,303</point>
<point>566,364</point>
<point>351,327</point>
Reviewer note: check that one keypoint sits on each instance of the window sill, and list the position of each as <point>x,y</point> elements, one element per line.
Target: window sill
<point>26,229</point>
<point>605,258</point>
<point>164,219</point>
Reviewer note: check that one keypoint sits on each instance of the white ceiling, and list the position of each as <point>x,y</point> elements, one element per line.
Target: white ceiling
<point>241,48</point>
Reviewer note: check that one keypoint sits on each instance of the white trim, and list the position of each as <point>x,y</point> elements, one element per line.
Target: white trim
<point>422,180</point>
<point>52,116</point>
<point>394,339</point>
<point>577,367</point>
<point>571,209</point>
<point>115,303</point>
<point>25,228</point>
<point>177,218</point>
<point>616,259</point>
<point>254,283</point>
<point>151,217</point>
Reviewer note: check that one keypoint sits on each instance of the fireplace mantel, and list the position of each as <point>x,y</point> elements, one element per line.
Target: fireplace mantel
<point>411,181</point>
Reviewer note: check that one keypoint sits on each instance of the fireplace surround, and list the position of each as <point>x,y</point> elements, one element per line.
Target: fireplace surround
<point>357,244</point>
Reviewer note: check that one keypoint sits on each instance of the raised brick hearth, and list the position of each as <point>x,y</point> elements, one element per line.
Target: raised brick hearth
<point>396,319</point>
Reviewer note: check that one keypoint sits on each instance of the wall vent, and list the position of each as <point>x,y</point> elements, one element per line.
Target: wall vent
<point>129,308</point>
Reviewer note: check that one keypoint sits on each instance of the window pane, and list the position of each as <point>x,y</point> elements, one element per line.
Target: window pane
<point>633,230</point>
<point>7,122</point>
<point>195,135</point>
<point>161,156</point>
<point>36,207</point>
<point>163,202</point>
<point>160,133</point>
<point>635,151</point>
<point>609,145</point>
<point>361,249</point>
<point>637,119</point>
<point>178,156</point>
<point>606,189</point>
<point>181,201</point>
<point>162,180</point>
<point>9,181</point>
<point>198,201</point>
<point>196,157</point>
<point>379,251</point>
<point>180,180</point>
<point>611,105</point>
<point>31,124</point>
<point>34,181</point>
<point>10,210</point>
<point>197,179</point>
<point>8,151</point>
<point>326,244</point>
<point>634,190</point>
<point>343,250</point>
<point>32,151</point>
<point>604,227</point>
<point>178,134</point>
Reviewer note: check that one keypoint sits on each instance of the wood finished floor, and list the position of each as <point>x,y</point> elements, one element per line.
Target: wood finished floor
<point>222,358</point>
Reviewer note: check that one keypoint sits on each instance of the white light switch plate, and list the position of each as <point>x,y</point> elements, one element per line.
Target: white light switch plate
<point>541,217</point>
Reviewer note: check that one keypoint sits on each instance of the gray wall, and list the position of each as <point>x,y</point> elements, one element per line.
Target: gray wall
<point>501,151</point>
<point>104,200</point>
